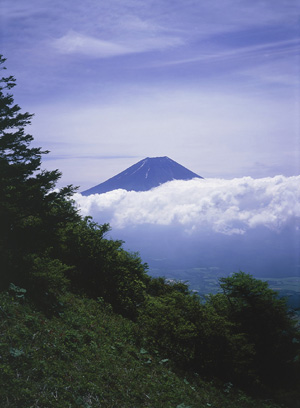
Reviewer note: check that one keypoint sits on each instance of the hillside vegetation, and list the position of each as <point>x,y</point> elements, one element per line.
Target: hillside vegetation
<point>82,323</point>
<point>90,357</point>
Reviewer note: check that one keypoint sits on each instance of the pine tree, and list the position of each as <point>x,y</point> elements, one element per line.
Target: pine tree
<point>44,243</point>
<point>31,212</point>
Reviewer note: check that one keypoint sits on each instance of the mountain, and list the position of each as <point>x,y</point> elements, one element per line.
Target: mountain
<point>144,175</point>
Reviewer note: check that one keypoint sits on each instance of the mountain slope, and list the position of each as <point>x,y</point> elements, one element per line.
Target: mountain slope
<point>90,357</point>
<point>144,175</point>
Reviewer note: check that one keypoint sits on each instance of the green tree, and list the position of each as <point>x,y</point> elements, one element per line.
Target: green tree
<point>192,333</point>
<point>43,240</point>
<point>31,212</point>
<point>102,268</point>
<point>42,237</point>
<point>258,313</point>
<point>170,321</point>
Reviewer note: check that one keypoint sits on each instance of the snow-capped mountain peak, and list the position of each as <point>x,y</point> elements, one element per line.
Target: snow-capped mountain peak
<point>145,175</point>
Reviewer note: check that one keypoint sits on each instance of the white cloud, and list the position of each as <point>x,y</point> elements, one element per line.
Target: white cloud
<point>77,43</point>
<point>224,206</point>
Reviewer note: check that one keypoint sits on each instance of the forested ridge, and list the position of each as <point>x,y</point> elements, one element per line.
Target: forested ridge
<point>84,325</point>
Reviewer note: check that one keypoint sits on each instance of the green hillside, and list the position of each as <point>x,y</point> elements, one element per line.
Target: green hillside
<point>90,357</point>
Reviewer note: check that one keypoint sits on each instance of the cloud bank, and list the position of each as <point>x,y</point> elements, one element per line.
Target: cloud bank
<point>223,206</point>
<point>219,226</point>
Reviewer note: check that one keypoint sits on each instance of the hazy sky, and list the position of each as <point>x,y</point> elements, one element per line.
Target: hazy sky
<point>214,85</point>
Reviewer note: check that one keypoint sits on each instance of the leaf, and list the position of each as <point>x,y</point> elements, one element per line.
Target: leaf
<point>16,352</point>
<point>19,292</point>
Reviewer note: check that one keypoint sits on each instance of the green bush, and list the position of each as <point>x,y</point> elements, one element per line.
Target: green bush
<point>262,317</point>
<point>243,335</point>
<point>169,323</point>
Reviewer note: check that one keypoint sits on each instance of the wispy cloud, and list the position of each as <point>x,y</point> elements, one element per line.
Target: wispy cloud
<point>291,47</point>
<point>77,43</point>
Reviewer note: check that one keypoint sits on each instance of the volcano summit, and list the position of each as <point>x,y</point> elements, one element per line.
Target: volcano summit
<point>144,175</point>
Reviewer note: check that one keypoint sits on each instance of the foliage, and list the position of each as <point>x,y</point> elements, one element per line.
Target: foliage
<point>31,213</point>
<point>43,241</point>
<point>257,313</point>
<point>169,322</point>
<point>243,335</point>
<point>192,333</point>
<point>102,267</point>
<point>90,357</point>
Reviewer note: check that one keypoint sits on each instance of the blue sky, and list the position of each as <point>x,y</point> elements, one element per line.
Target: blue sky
<point>214,85</point>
